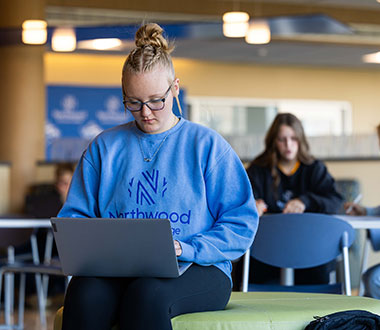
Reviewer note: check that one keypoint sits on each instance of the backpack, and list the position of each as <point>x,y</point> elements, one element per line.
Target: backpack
<point>346,320</point>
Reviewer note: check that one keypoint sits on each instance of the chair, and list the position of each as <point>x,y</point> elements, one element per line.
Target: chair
<point>295,241</point>
<point>9,238</point>
<point>372,239</point>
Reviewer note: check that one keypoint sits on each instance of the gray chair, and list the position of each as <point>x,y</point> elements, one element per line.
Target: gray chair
<point>13,264</point>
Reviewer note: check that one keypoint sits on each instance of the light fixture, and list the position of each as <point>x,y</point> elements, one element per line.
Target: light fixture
<point>63,40</point>
<point>34,32</point>
<point>100,44</point>
<point>258,32</point>
<point>235,24</point>
<point>372,58</point>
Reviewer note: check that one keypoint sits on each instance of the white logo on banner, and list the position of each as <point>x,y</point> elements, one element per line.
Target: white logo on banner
<point>112,114</point>
<point>51,132</point>
<point>68,114</point>
<point>90,130</point>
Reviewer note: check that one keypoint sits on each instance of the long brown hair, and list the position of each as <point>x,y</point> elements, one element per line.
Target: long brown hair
<point>270,156</point>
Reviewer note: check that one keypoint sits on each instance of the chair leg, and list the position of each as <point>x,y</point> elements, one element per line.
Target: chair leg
<point>39,287</point>
<point>21,301</point>
<point>364,265</point>
<point>346,266</point>
<point>287,276</point>
<point>245,278</point>
<point>1,287</point>
<point>9,289</point>
<point>47,260</point>
<point>41,300</point>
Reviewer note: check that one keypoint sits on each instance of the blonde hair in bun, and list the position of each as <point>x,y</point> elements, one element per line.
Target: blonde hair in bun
<point>152,50</point>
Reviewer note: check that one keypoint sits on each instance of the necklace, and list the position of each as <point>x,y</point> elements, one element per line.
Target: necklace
<point>149,159</point>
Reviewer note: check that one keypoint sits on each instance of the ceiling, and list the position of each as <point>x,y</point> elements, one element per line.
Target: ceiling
<point>333,33</point>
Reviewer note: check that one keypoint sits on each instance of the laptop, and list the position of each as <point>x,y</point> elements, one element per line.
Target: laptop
<point>116,247</point>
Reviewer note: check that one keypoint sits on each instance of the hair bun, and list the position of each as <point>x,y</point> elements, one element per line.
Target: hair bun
<point>151,34</point>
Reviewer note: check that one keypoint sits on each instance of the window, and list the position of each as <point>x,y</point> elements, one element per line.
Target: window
<point>244,122</point>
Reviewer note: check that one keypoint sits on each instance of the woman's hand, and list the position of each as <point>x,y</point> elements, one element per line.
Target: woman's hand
<point>294,206</point>
<point>261,207</point>
<point>178,248</point>
<point>354,209</point>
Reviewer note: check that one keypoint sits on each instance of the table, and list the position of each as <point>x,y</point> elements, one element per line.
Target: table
<point>361,222</point>
<point>24,223</point>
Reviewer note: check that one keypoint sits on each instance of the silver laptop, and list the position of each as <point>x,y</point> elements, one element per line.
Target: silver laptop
<point>116,247</point>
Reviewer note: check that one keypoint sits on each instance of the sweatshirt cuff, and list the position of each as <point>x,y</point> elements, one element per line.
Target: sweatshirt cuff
<point>305,200</point>
<point>187,252</point>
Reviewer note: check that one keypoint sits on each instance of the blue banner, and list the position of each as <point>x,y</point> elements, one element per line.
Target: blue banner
<point>75,115</point>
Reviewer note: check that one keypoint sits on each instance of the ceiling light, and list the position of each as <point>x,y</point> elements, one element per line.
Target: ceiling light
<point>100,44</point>
<point>63,40</point>
<point>258,32</point>
<point>34,32</point>
<point>372,58</point>
<point>235,24</point>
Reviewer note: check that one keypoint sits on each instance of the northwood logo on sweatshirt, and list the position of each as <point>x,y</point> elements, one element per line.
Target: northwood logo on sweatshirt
<point>148,188</point>
<point>145,191</point>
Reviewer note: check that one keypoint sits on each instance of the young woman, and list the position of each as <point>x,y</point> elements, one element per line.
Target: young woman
<point>162,165</point>
<point>285,178</point>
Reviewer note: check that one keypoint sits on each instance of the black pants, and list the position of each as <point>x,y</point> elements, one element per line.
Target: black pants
<point>143,303</point>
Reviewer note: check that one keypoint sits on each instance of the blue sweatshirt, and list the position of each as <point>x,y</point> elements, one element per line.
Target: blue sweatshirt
<point>194,179</point>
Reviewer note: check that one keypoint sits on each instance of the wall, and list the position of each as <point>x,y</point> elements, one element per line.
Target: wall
<point>366,172</point>
<point>200,78</point>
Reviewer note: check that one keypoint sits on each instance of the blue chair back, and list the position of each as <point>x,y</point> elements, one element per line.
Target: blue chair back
<point>374,236</point>
<point>300,240</point>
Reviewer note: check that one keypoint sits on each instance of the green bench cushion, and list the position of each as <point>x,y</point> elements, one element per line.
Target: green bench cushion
<point>269,310</point>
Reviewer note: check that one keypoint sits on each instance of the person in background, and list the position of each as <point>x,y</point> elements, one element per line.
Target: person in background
<point>286,178</point>
<point>45,200</point>
<point>371,278</point>
<point>186,170</point>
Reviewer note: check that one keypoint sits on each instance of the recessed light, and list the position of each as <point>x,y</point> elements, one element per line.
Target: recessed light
<point>372,58</point>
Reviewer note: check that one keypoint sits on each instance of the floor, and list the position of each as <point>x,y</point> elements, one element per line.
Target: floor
<point>31,316</point>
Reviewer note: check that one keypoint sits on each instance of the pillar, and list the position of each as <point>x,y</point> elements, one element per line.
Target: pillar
<point>22,97</point>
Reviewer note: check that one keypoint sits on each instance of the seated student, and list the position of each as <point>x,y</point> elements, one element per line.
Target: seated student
<point>371,277</point>
<point>45,201</point>
<point>160,163</point>
<point>286,178</point>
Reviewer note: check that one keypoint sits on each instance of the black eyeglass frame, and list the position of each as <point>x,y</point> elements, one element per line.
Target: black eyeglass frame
<point>163,99</point>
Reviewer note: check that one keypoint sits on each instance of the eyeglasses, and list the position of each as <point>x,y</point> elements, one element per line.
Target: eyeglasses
<point>154,105</point>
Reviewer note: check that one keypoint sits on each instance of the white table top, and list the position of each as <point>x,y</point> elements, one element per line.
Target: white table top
<point>361,222</point>
<point>358,222</point>
<point>24,223</point>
